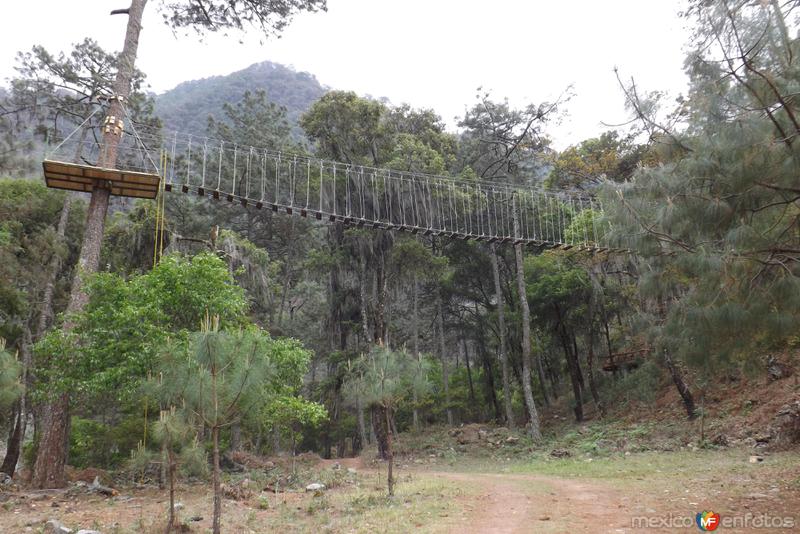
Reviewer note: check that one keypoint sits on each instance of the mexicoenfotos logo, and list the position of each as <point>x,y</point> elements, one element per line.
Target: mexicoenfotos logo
<point>707,521</point>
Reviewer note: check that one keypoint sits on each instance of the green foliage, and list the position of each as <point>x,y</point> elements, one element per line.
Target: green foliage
<point>226,376</point>
<point>639,385</point>
<point>28,242</point>
<point>385,377</point>
<point>10,386</point>
<point>252,121</point>
<point>118,334</point>
<point>717,221</point>
<point>96,444</point>
<point>587,164</point>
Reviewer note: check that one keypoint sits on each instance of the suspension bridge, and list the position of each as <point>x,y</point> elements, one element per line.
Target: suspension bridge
<point>149,162</point>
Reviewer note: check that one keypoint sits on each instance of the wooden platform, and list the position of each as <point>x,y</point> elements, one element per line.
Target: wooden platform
<point>72,177</point>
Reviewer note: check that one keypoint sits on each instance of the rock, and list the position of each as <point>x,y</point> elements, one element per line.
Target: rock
<point>196,518</point>
<point>54,526</point>
<point>337,466</point>
<point>560,453</point>
<point>352,471</point>
<point>103,490</point>
<point>787,424</point>
<point>755,459</point>
<point>179,505</point>
<point>316,486</point>
<point>238,491</point>
<point>512,439</point>
<point>720,440</point>
<point>5,480</point>
<point>777,369</point>
<point>85,531</point>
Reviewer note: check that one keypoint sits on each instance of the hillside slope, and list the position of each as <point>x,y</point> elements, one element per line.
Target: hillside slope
<point>186,108</point>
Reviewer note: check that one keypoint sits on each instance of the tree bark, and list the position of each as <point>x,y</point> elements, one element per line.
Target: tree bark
<point>48,470</point>
<point>236,436</point>
<point>362,427</point>
<point>21,408</point>
<point>389,453</point>
<point>465,350</point>
<point>14,441</point>
<point>488,379</point>
<point>171,522</point>
<point>46,312</point>
<point>590,364</point>
<point>415,335</point>
<point>215,527</point>
<point>501,326</point>
<point>535,430</point>
<point>680,384</point>
<point>443,356</point>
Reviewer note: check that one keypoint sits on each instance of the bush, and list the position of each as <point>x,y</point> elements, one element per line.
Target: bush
<point>639,385</point>
<point>94,444</point>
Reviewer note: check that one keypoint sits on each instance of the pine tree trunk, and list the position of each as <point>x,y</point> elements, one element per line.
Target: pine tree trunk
<point>171,523</point>
<point>465,349</point>
<point>488,380</point>
<point>21,408</point>
<point>535,430</point>
<point>48,470</point>
<point>14,441</point>
<point>590,366</point>
<point>381,425</point>
<point>573,372</point>
<point>443,356</point>
<point>389,453</point>
<point>46,312</point>
<point>236,436</point>
<point>415,335</point>
<point>362,427</point>
<point>542,378</point>
<point>680,384</point>
<point>215,476</point>
<point>501,324</point>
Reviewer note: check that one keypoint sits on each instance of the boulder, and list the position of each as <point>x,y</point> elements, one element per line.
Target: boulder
<point>777,370</point>
<point>54,526</point>
<point>787,425</point>
<point>315,487</point>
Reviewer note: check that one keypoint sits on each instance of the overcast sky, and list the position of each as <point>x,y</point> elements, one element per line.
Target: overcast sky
<point>428,53</point>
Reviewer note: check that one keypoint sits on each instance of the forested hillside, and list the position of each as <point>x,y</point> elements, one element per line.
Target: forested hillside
<point>186,108</point>
<point>218,349</point>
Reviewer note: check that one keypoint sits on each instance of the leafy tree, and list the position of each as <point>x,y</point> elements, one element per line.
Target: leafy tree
<point>252,121</point>
<point>221,378</point>
<point>116,338</point>
<point>205,15</point>
<point>383,379</point>
<point>291,414</point>
<point>587,164</point>
<point>716,225</point>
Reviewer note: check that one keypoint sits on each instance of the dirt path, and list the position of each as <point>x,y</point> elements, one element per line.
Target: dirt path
<point>531,503</point>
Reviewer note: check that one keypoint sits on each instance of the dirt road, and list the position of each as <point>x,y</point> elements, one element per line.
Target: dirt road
<point>508,503</point>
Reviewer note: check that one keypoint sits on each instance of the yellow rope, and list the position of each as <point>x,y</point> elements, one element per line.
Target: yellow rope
<point>158,241</point>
